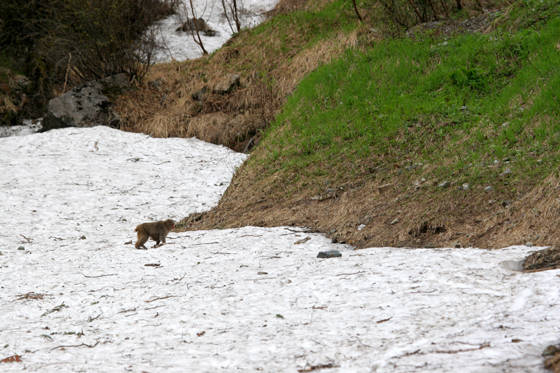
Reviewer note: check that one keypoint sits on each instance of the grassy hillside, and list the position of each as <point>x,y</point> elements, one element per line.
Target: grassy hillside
<point>441,139</point>
<point>456,107</point>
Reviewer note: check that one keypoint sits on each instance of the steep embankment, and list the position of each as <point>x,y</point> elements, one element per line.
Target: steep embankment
<point>432,140</point>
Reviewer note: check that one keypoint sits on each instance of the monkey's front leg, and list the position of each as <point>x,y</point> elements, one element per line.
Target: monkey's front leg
<point>161,239</point>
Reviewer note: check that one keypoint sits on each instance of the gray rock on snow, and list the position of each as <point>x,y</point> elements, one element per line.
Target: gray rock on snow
<point>329,254</point>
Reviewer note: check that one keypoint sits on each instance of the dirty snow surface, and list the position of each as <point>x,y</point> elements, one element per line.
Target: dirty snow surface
<point>181,46</point>
<point>76,297</point>
<point>29,127</point>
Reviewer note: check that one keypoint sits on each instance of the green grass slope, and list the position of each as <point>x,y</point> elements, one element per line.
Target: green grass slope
<point>454,106</point>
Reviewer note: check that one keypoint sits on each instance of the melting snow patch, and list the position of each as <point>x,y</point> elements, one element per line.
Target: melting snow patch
<point>29,127</point>
<point>513,265</point>
<point>77,298</point>
<point>181,46</point>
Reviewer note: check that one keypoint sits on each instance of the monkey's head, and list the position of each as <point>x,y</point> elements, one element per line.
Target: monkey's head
<point>170,224</point>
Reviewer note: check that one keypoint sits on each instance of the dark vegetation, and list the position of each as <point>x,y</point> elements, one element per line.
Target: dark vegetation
<point>60,43</point>
<point>397,16</point>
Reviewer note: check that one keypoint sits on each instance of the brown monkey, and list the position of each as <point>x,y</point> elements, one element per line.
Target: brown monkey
<point>156,231</point>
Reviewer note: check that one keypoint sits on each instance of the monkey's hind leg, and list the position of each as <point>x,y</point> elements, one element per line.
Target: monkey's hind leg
<point>140,244</point>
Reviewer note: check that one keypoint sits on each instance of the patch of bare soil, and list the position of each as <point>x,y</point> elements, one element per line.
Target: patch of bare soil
<point>371,213</point>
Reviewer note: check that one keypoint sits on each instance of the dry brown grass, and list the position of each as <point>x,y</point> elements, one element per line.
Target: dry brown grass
<point>553,362</point>
<point>269,73</point>
<point>425,216</point>
<point>286,6</point>
<point>542,260</point>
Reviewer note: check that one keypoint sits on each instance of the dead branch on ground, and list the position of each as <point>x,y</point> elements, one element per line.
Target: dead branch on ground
<point>80,345</point>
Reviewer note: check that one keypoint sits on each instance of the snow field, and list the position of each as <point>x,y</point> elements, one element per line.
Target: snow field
<point>231,300</point>
<point>180,45</point>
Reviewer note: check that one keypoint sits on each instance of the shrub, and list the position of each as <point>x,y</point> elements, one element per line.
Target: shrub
<point>401,15</point>
<point>54,41</point>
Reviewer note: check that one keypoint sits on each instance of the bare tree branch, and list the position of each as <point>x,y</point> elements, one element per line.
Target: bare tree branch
<point>199,41</point>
